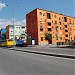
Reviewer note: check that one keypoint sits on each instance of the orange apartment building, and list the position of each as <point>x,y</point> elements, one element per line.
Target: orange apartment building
<point>41,21</point>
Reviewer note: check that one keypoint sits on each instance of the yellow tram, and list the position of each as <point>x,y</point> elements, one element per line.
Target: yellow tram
<point>7,43</point>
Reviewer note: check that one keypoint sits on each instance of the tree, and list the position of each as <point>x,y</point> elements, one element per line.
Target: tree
<point>48,37</point>
<point>28,40</point>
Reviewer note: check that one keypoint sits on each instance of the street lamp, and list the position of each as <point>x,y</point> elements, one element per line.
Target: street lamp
<point>13,22</point>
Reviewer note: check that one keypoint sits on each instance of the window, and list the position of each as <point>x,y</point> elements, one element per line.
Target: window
<point>70,20</point>
<point>28,17</point>
<point>60,38</point>
<point>32,14</point>
<point>54,16</point>
<point>57,28</point>
<point>23,27</point>
<point>55,22</point>
<point>71,38</point>
<point>49,23</point>
<point>60,23</point>
<point>66,35</point>
<point>66,30</point>
<point>41,28</point>
<point>49,29</point>
<point>65,26</point>
<point>60,28</point>
<point>65,19</point>
<point>59,18</point>
<point>40,13</point>
<point>11,31</point>
<point>56,38</point>
<point>44,14</point>
<point>41,38</point>
<point>48,16</point>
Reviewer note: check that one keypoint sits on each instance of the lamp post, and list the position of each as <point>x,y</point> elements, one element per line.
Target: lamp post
<point>13,21</point>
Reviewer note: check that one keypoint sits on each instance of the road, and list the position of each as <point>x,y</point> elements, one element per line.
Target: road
<point>21,63</point>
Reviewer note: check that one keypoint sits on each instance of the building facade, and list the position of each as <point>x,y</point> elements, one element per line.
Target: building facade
<point>16,31</point>
<point>41,21</point>
<point>23,33</point>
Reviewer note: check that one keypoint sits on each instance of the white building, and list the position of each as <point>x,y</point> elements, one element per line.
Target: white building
<point>16,32</point>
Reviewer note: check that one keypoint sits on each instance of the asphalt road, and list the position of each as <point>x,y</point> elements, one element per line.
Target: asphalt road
<point>20,63</point>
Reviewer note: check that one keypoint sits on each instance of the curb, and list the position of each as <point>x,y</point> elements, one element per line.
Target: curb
<point>48,54</point>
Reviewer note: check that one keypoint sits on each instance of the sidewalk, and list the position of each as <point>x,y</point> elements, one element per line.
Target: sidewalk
<point>46,51</point>
<point>57,46</point>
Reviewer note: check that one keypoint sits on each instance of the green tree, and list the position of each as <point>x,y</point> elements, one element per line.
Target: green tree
<point>48,37</point>
<point>28,40</point>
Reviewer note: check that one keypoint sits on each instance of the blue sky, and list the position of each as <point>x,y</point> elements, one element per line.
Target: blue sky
<point>22,7</point>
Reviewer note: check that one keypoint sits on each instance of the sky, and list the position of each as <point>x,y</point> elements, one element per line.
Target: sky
<point>17,9</point>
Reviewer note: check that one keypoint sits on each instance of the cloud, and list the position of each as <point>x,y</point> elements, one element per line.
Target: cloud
<point>21,22</point>
<point>2,5</point>
<point>4,22</point>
